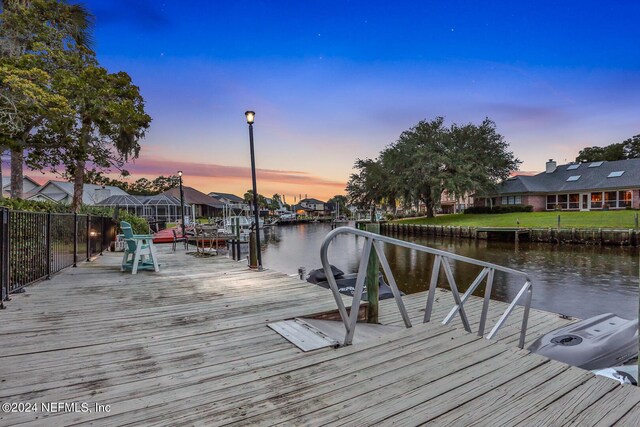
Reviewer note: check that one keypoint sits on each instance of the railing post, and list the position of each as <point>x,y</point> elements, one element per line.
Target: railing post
<point>238,252</point>
<point>75,239</point>
<point>88,237</point>
<point>372,279</point>
<point>4,257</point>
<point>485,303</point>
<point>433,284</point>
<point>49,216</point>
<point>101,235</point>
<point>253,254</point>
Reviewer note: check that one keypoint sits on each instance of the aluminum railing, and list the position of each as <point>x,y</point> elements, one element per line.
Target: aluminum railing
<point>441,262</point>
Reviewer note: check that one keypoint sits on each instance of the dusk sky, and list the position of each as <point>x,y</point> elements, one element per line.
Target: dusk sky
<point>331,81</point>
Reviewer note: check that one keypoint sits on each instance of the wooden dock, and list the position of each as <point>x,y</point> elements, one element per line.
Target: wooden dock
<point>189,345</point>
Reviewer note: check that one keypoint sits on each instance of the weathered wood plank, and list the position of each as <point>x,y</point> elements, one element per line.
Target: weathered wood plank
<point>571,404</point>
<point>190,345</point>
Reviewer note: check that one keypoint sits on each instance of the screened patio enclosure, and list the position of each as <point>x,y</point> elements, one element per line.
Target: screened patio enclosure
<point>161,207</point>
<point>129,203</point>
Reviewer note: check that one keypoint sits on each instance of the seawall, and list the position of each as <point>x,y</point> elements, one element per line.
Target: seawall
<point>581,236</point>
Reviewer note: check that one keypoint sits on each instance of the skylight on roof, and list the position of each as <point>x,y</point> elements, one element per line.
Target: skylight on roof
<point>615,174</point>
<point>573,178</point>
<point>573,167</point>
<point>595,164</point>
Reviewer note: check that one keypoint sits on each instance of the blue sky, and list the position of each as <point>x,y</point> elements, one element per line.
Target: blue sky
<point>334,81</point>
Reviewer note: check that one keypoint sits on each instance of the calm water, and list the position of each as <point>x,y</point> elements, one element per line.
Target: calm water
<point>580,281</point>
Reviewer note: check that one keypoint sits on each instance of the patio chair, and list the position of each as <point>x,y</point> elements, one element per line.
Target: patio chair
<point>177,240</point>
<point>141,250</point>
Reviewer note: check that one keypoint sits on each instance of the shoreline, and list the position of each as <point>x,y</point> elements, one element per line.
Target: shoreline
<point>579,236</point>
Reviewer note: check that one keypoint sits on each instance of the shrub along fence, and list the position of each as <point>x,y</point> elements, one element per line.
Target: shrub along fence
<point>35,245</point>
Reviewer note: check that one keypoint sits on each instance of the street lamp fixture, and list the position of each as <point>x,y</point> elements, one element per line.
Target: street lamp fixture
<point>182,226</point>
<point>256,213</point>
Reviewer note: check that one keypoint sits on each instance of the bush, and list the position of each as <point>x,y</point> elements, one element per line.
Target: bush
<point>139,225</point>
<point>34,206</point>
<point>500,209</point>
<point>478,210</point>
<point>42,206</point>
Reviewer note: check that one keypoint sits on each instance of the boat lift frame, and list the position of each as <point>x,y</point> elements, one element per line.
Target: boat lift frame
<point>441,262</point>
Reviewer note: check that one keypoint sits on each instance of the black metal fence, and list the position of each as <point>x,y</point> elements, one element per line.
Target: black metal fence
<point>35,245</point>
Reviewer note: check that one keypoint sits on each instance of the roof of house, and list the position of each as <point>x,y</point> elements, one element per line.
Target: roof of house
<point>88,194</point>
<point>590,176</point>
<point>300,208</point>
<point>6,180</point>
<point>194,197</point>
<point>160,200</point>
<point>228,196</point>
<point>311,200</point>
<point>122,200</point>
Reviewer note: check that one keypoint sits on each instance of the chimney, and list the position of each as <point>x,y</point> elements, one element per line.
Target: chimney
<point>551,166</point>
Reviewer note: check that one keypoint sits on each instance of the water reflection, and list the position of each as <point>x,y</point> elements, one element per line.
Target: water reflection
<point>576,280</point>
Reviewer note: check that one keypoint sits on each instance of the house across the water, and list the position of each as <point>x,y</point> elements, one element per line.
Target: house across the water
<point>202,205</point>
<point>573,187</point>
<point>226,198</point>
<point>62,192</point>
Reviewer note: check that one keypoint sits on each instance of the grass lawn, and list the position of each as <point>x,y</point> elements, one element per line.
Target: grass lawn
<point>593,219</point>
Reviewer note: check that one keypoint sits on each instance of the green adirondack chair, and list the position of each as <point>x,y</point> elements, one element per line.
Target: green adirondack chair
<point>139,252</point>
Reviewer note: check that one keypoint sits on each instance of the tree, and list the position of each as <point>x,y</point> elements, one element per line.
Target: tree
<point>248,199</point>
<point>276,201</point>
<point>368,186</point>
<point>627,149</point>
<point>104,130</point>
<point>609,153</point>
<point>24,104</point>
<point>430,158</point>
<point>140,187</point>
<point>341,203</point>
<point>34,37</point>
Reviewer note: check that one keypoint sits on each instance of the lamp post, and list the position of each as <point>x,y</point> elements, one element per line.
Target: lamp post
<point>256,213</point>
<point>181,204</point>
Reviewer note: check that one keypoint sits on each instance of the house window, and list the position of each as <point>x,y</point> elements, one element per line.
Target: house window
<point>574,201</point>
<point>511,200</point>
<point>596,200</point>
<point>551,202</point>
<point>624,199</point>
<point>563,200</point>
<point>611,199</point>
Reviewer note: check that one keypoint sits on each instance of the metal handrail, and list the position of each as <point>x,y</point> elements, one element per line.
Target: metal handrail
<point>374,241</point>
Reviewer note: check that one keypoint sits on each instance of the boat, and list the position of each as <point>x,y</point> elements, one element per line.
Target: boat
<point>339,219</point>
<point>347,283</point>
<point>238,216</point>
<point>599,342</point>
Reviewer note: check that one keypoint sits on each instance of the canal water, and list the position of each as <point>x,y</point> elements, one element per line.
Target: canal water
<point>575,280</point>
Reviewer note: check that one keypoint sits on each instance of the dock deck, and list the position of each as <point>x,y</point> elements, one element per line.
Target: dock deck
<point>189,345</point>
